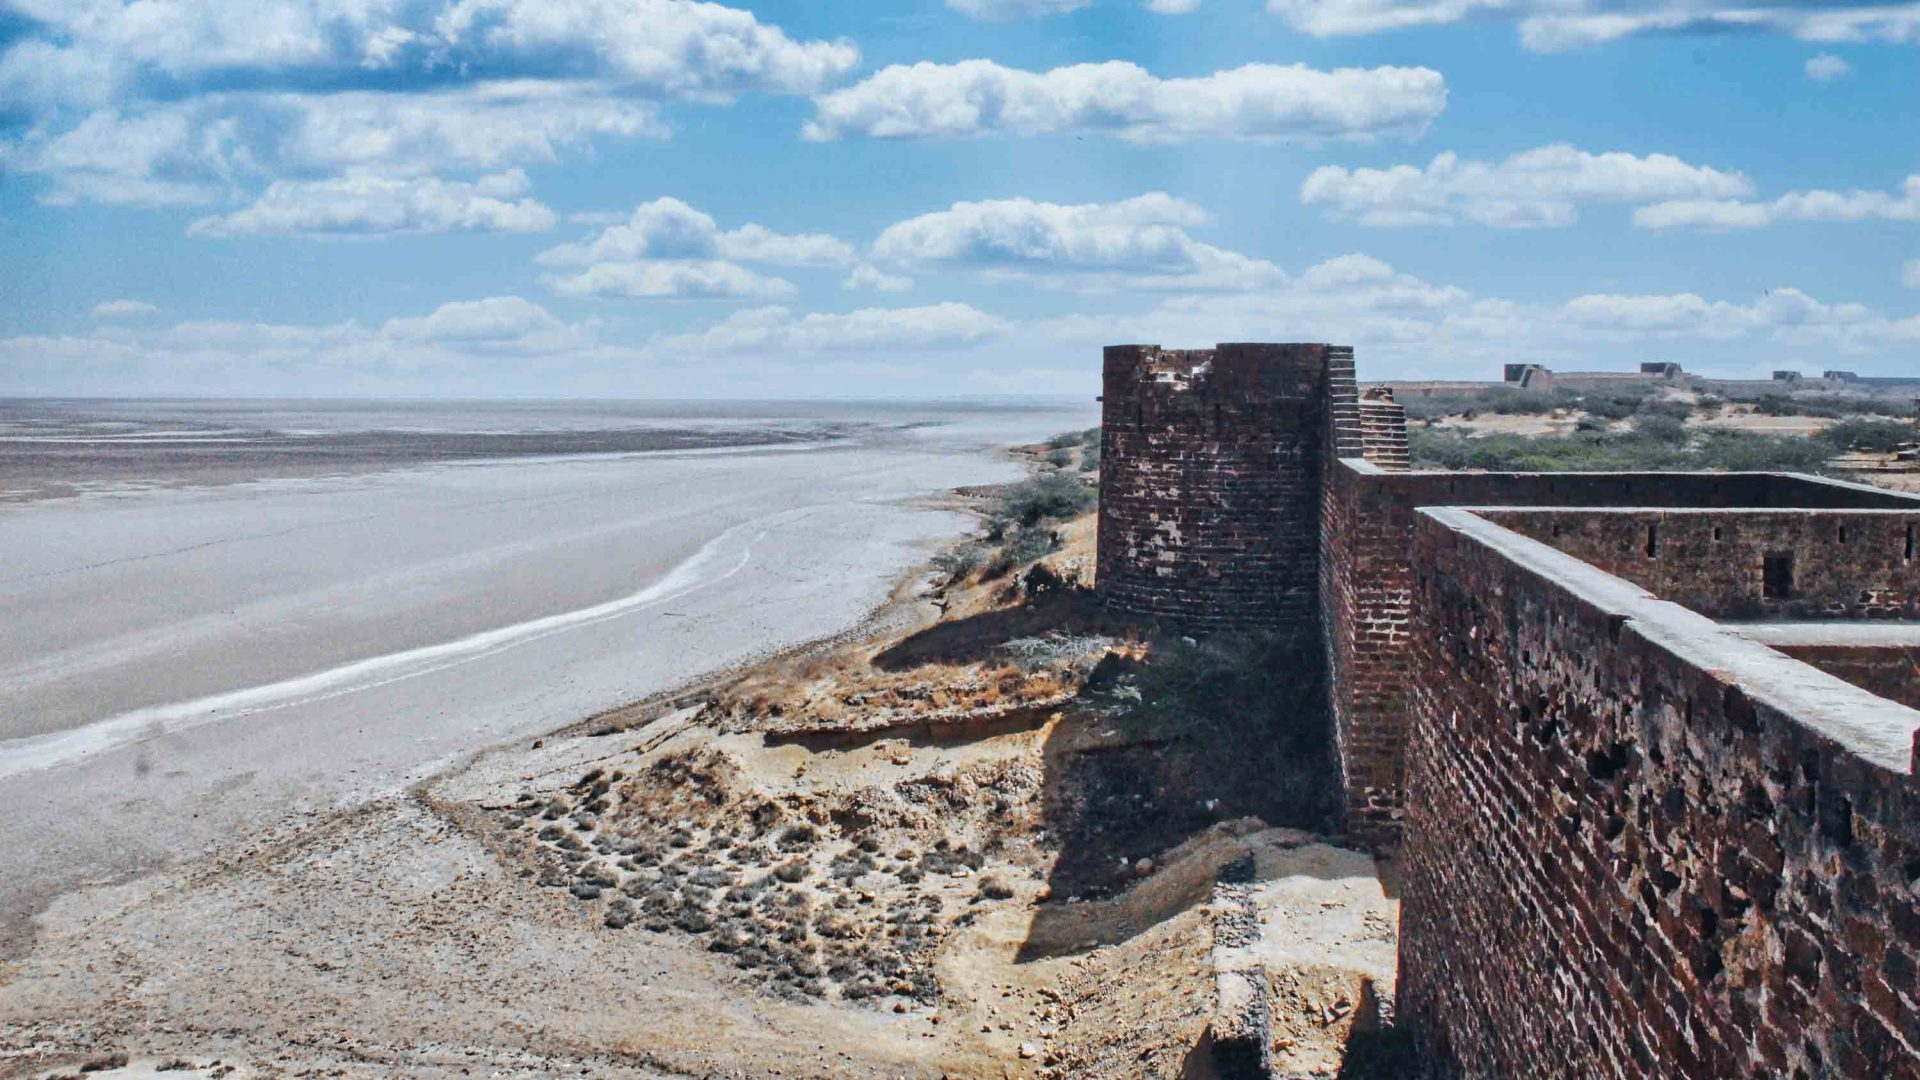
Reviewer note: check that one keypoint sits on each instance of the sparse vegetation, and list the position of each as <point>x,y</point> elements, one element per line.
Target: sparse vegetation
<point>1247,709</point>
<point>1070,652</point>
<point>1833,405</point>
<point>1862,433</point>
<point>1653,445</point>
<point>1048,497</point>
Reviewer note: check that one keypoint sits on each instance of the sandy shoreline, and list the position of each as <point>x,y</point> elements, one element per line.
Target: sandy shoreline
<point>346,637</point>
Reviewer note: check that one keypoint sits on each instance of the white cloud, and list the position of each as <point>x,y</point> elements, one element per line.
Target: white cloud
<point>935,326</point>
<point>124,309</point>
<point>666,248</point>
<point>1173,7</point>
<point>466,344</point>
<point>367,205</point>
<point>1407,327</point>
<point>1543,187</point>
<point>83,53</point>
<point>698,279</point>
<point>668,228</point>
<point>867,276</point>
<point>1137,243</point>
<point>171,102</point>
<point>195,151</point>
<point>1910,274</point>
<point>1548,25</point>
<point>489,126</point>
<point>1815,205</point>
<point>1827,67</point>
<point>1015,9</point>
<point>979,97</point>
<point>495,322</point>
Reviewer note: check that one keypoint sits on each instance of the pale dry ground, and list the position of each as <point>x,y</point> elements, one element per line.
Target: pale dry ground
<point>1488,423</point>
<point>431,934</point>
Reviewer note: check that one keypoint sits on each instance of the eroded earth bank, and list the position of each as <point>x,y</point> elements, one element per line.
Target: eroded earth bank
<point>1000,835</point>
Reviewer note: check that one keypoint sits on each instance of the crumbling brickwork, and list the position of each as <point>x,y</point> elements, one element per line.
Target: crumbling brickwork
<point>1639,845</point>
<point>1210,483</point>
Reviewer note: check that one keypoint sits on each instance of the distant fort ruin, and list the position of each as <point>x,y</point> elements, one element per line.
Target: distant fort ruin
<point>1644,744</point>
<point>1539,379</point>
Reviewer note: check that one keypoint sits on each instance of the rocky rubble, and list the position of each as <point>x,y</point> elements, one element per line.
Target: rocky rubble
<point>843,896</point>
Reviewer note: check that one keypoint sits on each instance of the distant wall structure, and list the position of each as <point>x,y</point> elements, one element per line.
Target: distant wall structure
<point>1210,482</point>
<point>1645,742</point>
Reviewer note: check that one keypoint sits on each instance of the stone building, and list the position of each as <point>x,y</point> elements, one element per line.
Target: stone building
<point>1643,744</point>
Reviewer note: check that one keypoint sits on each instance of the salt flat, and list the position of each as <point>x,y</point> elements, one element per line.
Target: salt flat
<point>181,666</point>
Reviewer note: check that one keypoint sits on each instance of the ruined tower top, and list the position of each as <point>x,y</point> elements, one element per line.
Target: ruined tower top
<point>1210,480</point>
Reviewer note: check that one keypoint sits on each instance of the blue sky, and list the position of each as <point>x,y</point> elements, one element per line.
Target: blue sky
<point>919,197</point>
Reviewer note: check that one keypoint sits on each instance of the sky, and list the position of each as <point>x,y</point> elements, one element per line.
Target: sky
<point>925,198</point>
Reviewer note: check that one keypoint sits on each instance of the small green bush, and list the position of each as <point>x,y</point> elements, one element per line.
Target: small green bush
<point>1027,545</point>
<point>1090,457</point>
<point>1055,496</point>
<point>958,562</point>
<point>1060,458</point>
<point>1073,438</point>
<point>1660,427</point>
<point>1860,433</point>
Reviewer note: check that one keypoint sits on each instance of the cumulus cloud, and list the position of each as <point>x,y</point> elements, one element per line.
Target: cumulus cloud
<point>1406,326</point>
<point>481,339</point>
<point>494,322</point>
<point>668,228</point>
<point>934,326</point>
<point>1827,67</point>
<point>696,279</point>
<point>666,248</point>
<point>124,309</point>
<point>1014,9</point>
<point>86,52</point>
<point>1816,205</point>
<point>368,205</point>
<point>867,276</point>
<point>1135,243</point>
<point>197,150</point>
<point>170,102</point>
<point>1548,25</point>
<point>980,97</point>
<point>1173,7</point>
<point>1543,187</point>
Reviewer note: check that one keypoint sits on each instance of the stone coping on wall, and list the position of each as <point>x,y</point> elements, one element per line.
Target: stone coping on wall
<point>1368,468</point>
<point>1876,730</point>
<point>1848,634</point>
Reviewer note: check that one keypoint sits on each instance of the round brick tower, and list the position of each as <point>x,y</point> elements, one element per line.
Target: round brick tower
<point>1210,481</point>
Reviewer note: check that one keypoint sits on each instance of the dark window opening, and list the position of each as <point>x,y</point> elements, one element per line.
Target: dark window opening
<point>1653,541</point>
<point>1719,534</point>
<point>1843,534</point>
<point>1776,580</point>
